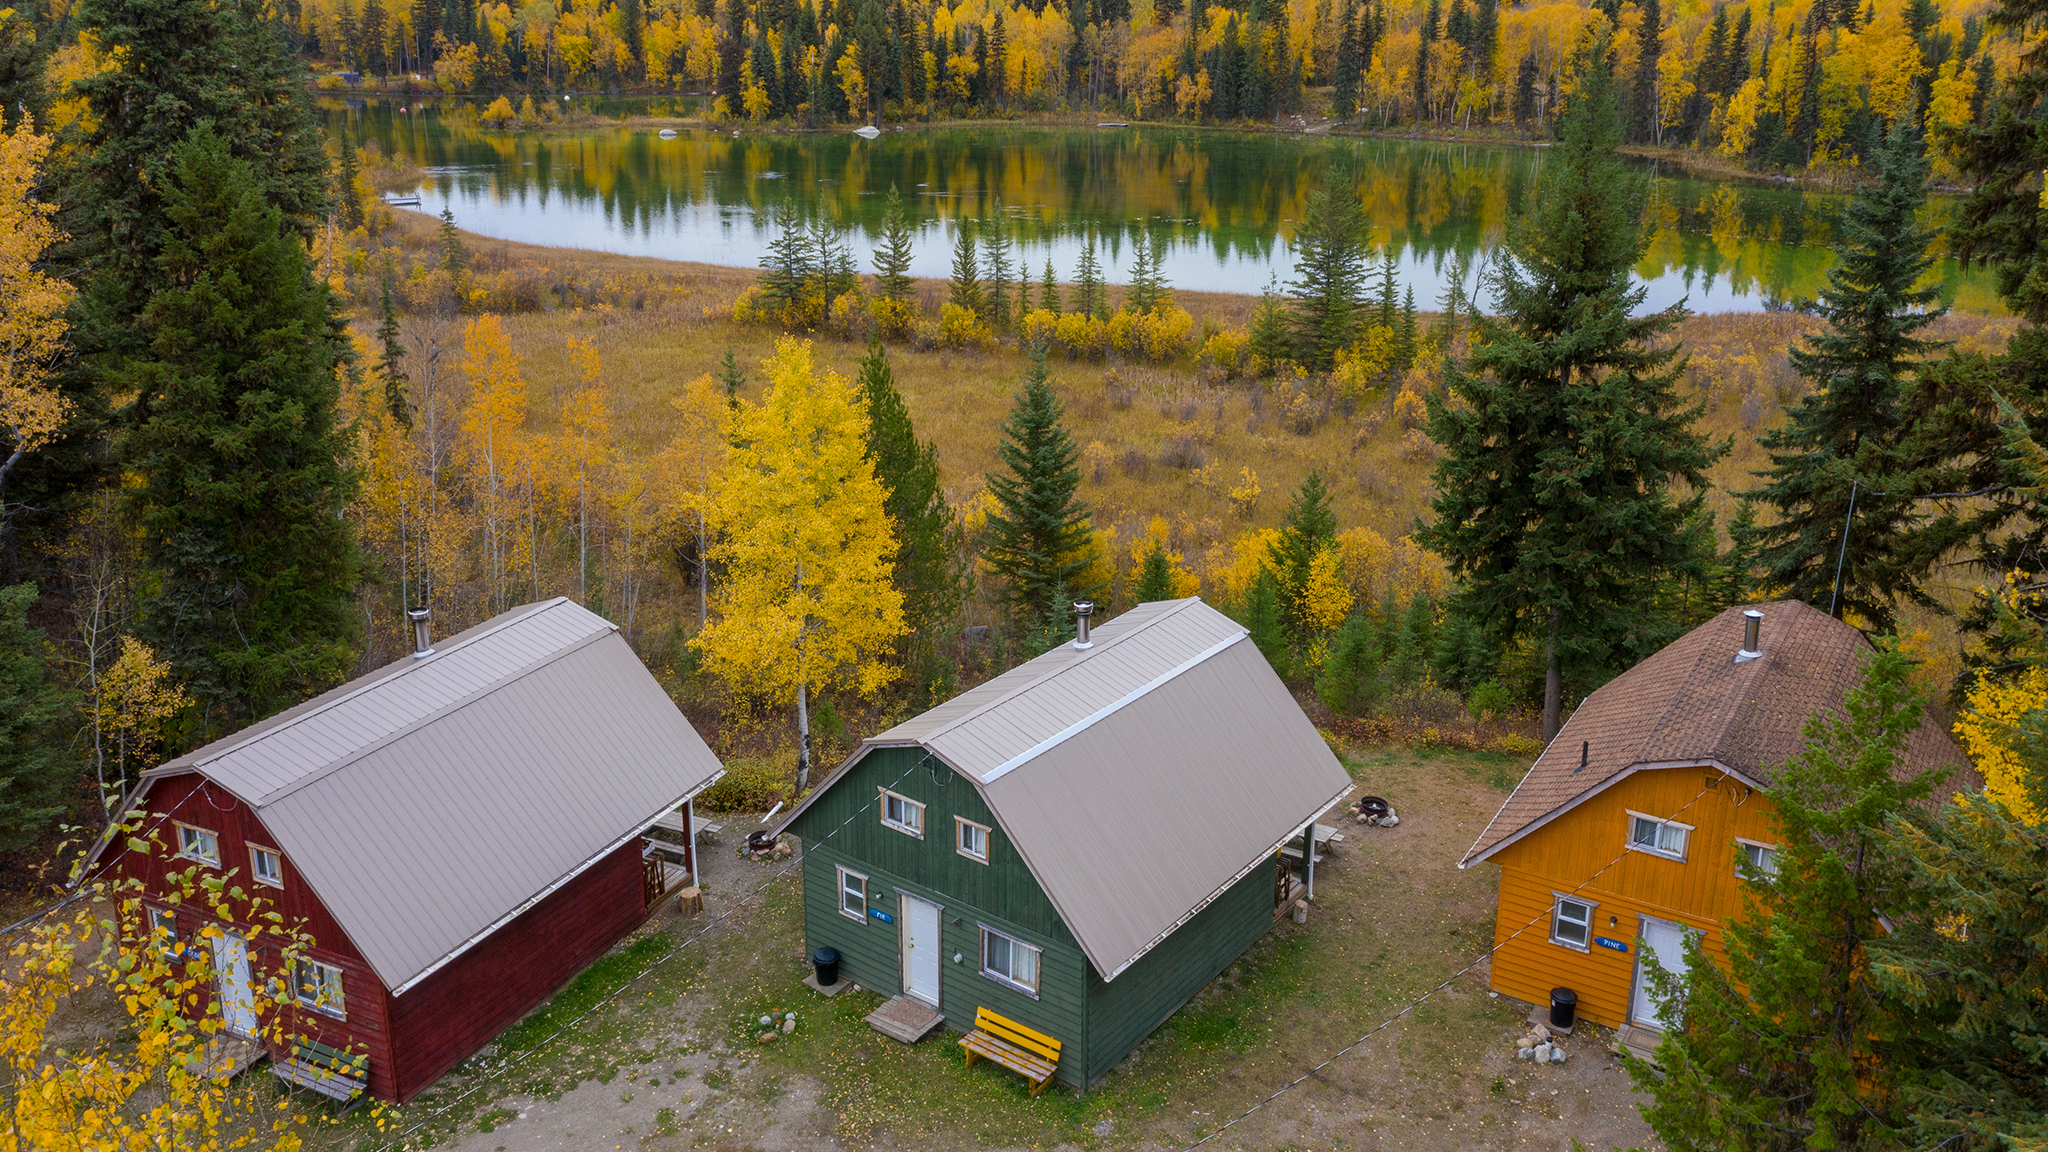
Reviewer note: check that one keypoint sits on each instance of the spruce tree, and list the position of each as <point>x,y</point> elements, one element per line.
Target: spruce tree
<point>1349,680</point>
<point>1556,497</point>
<point>1842,442</point>
<point>787,267</point>
<point>1330,273</point>
<point>964,290</point>
<point>1344,91</point>
<point>995,262</point>
<point>732,377</point>
<point>1090,297</point>
<point>37,768</point>
<point>927,532</point>
<point>1148,284</point>
<point>1268,341</point>
<point>1406,340</point>
<point>1263,618</point>
<point>1049,290</point>
<point>391,359</point>
<point>1155,577</point>
<point>452,256</point>
<point>1787,1047</point>
<point>1037,538</point>
<point>346,172</point>
<point>1307,530</point>
<point>892,255</point>
<point>1388,305</point>
<point>242,487</point>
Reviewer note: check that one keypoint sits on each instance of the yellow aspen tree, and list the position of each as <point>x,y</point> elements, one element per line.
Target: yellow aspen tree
<point>807,603</point>
<point>584,450</point>
<point>131,702</point>
<point>147,1079</point>
<point>693,459</point>
<point>1326,598</point>
<point>852,83</point>
<point>490,447</point>
<point>1986,732</point>
<point>32,306</point>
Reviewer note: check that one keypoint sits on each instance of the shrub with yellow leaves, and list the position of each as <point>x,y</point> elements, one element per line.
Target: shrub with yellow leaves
<point>1986,733</point>
<point>1040,326</point>
<point>1244,495</point>
<point>1224,350</point>
<point>961,328</point>
<point>1326,598</point>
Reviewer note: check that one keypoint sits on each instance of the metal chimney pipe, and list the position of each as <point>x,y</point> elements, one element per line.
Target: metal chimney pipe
<point>422,632</point>
<point>1752,623</point>
<point>1083,609</point>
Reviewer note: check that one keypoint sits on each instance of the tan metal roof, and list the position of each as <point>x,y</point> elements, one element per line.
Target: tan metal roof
<point>1139,779</point>
<point>1692,704</point>
<point>430,801</point>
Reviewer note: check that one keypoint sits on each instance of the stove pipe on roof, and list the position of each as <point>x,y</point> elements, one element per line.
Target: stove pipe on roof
<point>1752,622</point>
<point>1083,609</point>
<point>422,634</point>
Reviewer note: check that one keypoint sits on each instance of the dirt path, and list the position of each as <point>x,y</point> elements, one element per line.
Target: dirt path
<point>1393,918</point>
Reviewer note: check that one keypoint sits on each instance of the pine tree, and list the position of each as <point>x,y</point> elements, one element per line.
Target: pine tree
<point>1148,282</point>
<point>1841,443</point>
<point>1555,500</point>
<point>36,765</point>
<point>1428,32</point>
<point>731,377</point>
<point>1349,680</point>
<point>965,288</point>
<point>1389,301</point>
<point>1155,577</point>
<point>1049,290</point>
<point>892,256</point>
<point>1329,274</point>
<point>242,485</point>
<point>1268,341</point>
<point>1787,1048</point>
<point>1406,343</point>
<point>1649,125</point>
<point>927,532</point>
<point>1307,530</point>
<point>452,255</point>
<point>1038,536</point>
<point>345,175</point>
<point>995,261</point>
<point>787,267</point>
<point>391,361</point>
<point>1344,90</point>
<point>1090,297</point>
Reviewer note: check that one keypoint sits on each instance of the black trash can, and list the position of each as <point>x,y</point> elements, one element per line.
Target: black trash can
<point>826,961</point>
<point>1564,1007</point>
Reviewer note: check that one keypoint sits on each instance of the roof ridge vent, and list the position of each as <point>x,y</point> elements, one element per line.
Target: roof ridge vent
<point>1752,624</point>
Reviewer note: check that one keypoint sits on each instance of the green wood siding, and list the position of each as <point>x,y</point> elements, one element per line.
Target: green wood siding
<point>1125,1011</point>
<point>1001,894</point>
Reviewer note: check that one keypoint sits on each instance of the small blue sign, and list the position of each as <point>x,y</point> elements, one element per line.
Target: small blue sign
<point>1604,942</point>
<point>885,918</point>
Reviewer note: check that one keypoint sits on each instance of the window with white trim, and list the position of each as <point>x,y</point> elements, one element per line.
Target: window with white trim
<point>266,867</point>
<point>853,894</point>
<point>198,844</point>
<point>903,814</point>
<point>318,986</point>
<point>1571,922</point>
<point>1010,961</point>
<point>163,928</point>
<point>1657,836</point>
<point>972,839</point>
<point>1761,858</point>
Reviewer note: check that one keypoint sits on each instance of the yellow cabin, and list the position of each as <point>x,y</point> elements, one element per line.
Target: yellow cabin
<point>1633,824</point>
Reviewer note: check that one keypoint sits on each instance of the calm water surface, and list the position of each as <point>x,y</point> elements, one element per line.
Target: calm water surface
<point>1225,203</point>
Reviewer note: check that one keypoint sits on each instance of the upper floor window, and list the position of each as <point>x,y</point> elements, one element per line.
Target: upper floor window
<point>1761,858</point>
<point>265,865</point>
<point>973,839</point>
<point>198,844</point>
<point>902,813</point>
<point>1657,836</point>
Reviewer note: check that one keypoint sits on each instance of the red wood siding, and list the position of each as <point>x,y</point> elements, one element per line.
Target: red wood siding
<point>189,799</point>
<point>1702,891</point>
<point>459,1009</point>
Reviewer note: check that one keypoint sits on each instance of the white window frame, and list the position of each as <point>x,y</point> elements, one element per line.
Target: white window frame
<point>210,838</point>
<point>910,807</point>
<point>1662,822</point>
<point>328,998</point>
<point>256,854</point>
<point>1004,978</point>
<point>845,874</point>
<point>1557,903</point>
<point>960,826</point>
<point>1742,852</point>
<point>166,921</point>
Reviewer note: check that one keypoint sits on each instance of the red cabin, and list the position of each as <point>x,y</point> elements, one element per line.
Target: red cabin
<point>460,833</point>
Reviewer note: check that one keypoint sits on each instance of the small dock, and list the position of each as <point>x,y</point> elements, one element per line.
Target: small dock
<point>402,201</point>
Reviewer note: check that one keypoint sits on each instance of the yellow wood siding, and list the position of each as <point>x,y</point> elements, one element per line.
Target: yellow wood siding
<point>1701,891</point>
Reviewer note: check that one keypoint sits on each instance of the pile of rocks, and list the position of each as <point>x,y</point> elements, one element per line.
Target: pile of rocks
<point>1538,1045</point>
<point>775,1024</point>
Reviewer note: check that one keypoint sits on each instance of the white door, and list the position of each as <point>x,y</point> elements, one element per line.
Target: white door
<point>920,949</point>
<point>1664,945</point>
<point>237,998</point>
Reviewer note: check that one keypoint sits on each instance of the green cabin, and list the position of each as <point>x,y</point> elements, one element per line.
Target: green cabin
<point>1079,844</point>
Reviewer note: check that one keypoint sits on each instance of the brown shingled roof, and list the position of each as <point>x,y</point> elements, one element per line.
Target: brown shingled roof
<point>1691,703</point>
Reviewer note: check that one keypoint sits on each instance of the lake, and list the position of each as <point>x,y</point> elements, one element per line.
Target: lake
<point>1225,203</point>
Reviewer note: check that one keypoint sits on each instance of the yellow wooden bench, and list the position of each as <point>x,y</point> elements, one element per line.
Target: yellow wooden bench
<point>1026,1051</point>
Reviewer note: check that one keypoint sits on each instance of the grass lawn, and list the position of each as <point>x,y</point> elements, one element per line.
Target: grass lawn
<point>673,1063</point>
